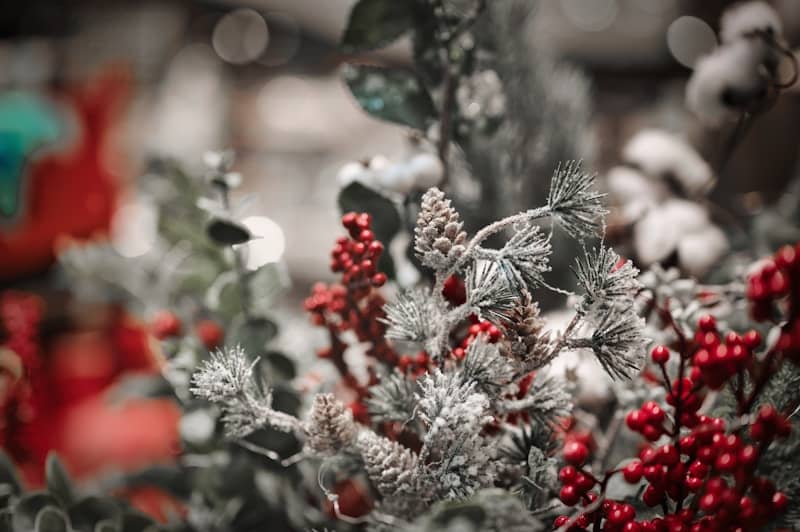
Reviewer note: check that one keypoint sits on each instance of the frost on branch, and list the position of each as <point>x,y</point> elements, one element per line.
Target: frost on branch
<point>227,380</point>
<point>392,399</point>
<point>488,369</point>
<point>574,202</point>
<point>389,465</point>
<point>488,291</point>
<point>618,343</point>
<point>526,256</point>
<point>439,238</point>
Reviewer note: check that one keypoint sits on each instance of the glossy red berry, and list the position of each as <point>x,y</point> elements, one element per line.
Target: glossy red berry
<point>165,324</point>
<point>659,354</point>
<point>569,495</point>
<point>210,333</point>
<point>633,471</point>
<point>575,453</point>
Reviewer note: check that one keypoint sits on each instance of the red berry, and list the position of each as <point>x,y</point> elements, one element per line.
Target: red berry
<point>567,474</point>
<point>709,502</point>
<point>569,495</point>
<point>652,496</point>
<point>635,420</point>
<point>633,472</point>
<point>379,279</point>
<point>583,482</point>
<point>210,333</point>
<point>780,502</point>
<point>166,324</point>
<point>659,354</point>
<point>575,453</point>
<point>366,236</point>
<point>349,220</point>
<point>707,323</point>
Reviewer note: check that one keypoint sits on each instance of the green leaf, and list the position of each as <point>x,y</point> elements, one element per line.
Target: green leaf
<point>134,521</point>
<point>51,520</point>
<point>376,23</point>
<point>58,481</point>
<point>266,284</point>
<point>28,507</point>
<point>252,334</point>
<point>281,365</point>
<point>386,221</point>
<point>91,511</point>
<point>227,232</point>
<point>9,481</point>
<point>393,95</point>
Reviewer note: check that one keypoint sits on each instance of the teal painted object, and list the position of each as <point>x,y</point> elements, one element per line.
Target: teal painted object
<point>27,122</point>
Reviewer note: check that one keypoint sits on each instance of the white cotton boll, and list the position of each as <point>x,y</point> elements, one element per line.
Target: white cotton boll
<point>426,169</point>
<point>747,17</point>
<point>352,171</point>
<point>267,245</point>
<point>197,427</point>
<point>699,252</point>
<point>396,178</point>
<point>379,163</point>
<point>655,237</point>
<point>725,81</point>
<point>661,154</point>
<point>629,185</point>
<point>686,216</point>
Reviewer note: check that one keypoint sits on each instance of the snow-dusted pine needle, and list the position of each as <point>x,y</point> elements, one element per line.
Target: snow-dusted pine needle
<point>526,256</point>
<point>545,401</point>
<point>392,400</point>
<point>488,290</point>
<point>487,368</point>
<point>227,380</point>
<point>618,343</point>
<point>574,203</point>
<point>411,317</point>
<point>603,280</point>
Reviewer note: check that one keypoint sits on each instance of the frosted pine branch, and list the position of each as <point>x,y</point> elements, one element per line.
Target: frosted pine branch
<point>488,369</point>
<point>545,401</point>
<point>227,380</point>
<point>392,399</point>
<point>573,201</point>
<point>617,342</point>
<point>488,290</point>
<point>603,281</point>
<point>411,317</point>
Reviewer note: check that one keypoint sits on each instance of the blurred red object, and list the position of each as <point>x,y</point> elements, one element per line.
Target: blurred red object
<point>56,399</point>
<point>72,188</point>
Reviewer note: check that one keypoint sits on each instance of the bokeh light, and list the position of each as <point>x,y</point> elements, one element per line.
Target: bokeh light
<point>241,36</point>
<point>689,38</point>
<point>596,15</point>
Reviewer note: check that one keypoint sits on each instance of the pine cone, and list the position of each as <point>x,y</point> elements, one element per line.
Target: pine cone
<point>439,238</point>
<point>390,466</point>
<point>524,339</point>
<point>330,427</point>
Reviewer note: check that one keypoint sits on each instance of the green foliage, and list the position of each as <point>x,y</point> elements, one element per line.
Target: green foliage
<point>61,508</point>
<point>376,23</point>
<point>393,95</point>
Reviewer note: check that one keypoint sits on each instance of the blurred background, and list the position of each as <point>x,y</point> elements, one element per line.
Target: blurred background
<point>263,79</point>
<point>97,92</point>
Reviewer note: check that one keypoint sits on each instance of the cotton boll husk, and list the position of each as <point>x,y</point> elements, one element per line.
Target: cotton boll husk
<point>726,81</point>
<point>427,170</point>
<point>655,237</point>
<point>747,17</point>
<point>698,252</point>
<point>659,153</point>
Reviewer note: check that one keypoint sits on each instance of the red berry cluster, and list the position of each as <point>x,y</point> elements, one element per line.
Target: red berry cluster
<point>357,257</point>
<point>416,365</point>
<point>20,315</point>
<point>486,329</point>
<point>355,305</point>
<point>702,474</point>
<point>166,324</point>
<point>777,277</point>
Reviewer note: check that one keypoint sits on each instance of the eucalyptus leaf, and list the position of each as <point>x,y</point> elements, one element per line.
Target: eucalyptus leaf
<point>376,23</point>
<point>89,512</point>
<point>393,95</point>
<point>266,284</point>
<point>51,520</point>
<point>28,508</point>
<point>9,481</point>
<point>58,481</point>
<point>227,232</point>
<point>253,333</point>
<point>133,521</point>
<point>281,365</point>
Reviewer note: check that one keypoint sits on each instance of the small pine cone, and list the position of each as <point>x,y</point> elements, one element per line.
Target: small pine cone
<point>439,238</point>
<point>524,339</point>
<point>330,427</point>
<point>389,465</point>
